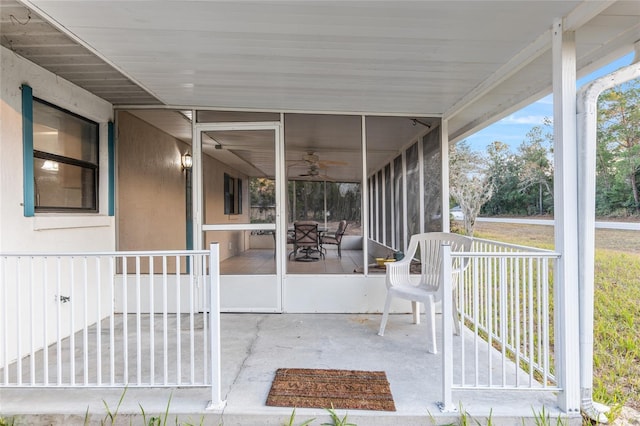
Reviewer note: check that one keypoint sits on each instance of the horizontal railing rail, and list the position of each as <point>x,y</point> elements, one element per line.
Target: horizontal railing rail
<point>107,319</point>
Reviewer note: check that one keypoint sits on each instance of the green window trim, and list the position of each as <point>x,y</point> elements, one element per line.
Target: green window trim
<point>111,168</point>
<point>27,152</point>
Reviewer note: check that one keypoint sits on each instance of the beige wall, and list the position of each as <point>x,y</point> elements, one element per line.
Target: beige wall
<point>151,212</point>
<point>151,199</point>
<point>231,243</point>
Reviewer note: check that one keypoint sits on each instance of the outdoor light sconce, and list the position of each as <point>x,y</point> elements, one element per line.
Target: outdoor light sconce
<point>187,161</point>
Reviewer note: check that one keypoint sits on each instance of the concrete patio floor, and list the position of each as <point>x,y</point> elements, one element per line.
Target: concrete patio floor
<point>255,345</point>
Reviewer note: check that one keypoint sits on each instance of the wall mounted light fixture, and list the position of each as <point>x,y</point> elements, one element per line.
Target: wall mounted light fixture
<point>187,161</point>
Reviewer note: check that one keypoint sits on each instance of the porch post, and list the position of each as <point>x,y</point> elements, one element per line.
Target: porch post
<point>216,402</point>
<point>196,181</point>
<point>444,165</point>
<point>566,218</point>
<point>446,289</point>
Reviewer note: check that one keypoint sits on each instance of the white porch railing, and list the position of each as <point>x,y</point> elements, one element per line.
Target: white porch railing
<point>504,298</point>
<point>136,319</point>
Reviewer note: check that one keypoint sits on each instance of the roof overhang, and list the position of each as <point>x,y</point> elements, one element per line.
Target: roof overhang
<point>471,62</point>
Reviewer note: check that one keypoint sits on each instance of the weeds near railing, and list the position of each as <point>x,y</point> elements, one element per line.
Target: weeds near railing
<point>111,416</point>
<point>156,421</point>
<point>544,419</point>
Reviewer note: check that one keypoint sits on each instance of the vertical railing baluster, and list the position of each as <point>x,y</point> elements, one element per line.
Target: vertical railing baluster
<point>72,324</point>
<point>476,331</point>
<point>98,264</point>
<point>192,351</point>
<point>125,324</point>
<point>152,327</point>
<point>18,322</point>
<point>531,317</point>
<point>205,326</point>
<point>58,322</point>
<point>45,320</point>
<point>165,326</point>
<point>503,316</point>
<point>32,325</point>
<point>138,325</point>
<point>490,314</point>
<point>178,324</point>
<point>85,328</point>
<point>545,324</point>
<point>516,323</point>
<point>112,313</point>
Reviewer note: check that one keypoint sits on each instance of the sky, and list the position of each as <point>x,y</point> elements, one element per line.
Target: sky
<point>512,129</point>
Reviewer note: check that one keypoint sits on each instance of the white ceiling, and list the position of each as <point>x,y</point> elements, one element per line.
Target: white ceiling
<point>472,62</point>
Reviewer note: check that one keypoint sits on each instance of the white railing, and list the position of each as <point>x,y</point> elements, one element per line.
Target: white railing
<point>136,319</point>
<point>504,298</point>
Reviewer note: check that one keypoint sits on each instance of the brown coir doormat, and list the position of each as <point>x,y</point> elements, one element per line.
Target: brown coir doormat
<point>340,389</point>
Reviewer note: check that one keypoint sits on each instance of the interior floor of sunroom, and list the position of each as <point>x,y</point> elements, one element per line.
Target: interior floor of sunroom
<point>263,262</point>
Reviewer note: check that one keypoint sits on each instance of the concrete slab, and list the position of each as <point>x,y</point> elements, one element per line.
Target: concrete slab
<point>255,345</point>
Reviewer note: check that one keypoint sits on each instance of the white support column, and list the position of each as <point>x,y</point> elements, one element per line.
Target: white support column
<point>444,155</point>
<point>446,288</point>
<point>196,183</point>
<point>421,206</point>
<point>365,196</point>
<point>566,218</point>
<point>216,402</point>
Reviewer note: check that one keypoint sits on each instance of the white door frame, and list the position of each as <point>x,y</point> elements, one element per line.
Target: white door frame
<point>228,283</point>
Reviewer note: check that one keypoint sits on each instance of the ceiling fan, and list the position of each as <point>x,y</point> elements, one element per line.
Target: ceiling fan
<point>312,161</point>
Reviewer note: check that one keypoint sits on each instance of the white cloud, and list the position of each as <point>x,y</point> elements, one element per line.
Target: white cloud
<point>536,120</point>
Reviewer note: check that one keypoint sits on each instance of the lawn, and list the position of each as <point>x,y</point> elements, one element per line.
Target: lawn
<point>617,305</point>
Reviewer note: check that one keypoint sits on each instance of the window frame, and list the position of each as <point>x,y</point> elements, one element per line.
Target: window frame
<point>232,195</point>
<point>93,167</point>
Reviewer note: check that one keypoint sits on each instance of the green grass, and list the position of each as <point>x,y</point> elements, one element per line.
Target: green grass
<point>617,306</point>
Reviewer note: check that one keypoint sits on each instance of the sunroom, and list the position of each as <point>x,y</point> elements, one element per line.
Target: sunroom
<point>228,122</point>
<point>250,205</point>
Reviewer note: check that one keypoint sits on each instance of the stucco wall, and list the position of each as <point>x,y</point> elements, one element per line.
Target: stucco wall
<point>151,187</point>
<point>151,207</point>
<point>46,232</point>
<point>24,289</point>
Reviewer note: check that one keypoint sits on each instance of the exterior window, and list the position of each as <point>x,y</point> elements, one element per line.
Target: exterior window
<point>232,195</point>
<point>65,160</point>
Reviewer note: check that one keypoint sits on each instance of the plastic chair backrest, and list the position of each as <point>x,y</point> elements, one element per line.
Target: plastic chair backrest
<point>427,247</point>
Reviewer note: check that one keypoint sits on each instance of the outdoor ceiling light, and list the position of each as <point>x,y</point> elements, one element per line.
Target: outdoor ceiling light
<point>187,161</point>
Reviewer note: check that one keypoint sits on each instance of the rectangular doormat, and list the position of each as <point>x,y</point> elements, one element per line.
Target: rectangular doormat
<point>340,389</point>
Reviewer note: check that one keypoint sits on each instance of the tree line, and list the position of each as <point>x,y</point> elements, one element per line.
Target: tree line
<point>519,182</point>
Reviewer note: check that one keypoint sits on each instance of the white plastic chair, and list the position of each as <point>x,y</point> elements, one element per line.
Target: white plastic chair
<point>424,288</point>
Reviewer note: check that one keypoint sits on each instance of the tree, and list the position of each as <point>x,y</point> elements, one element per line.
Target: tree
<point>537,168</point>
<point>469,182</point>
<point>619,134</point>
<point>503,167</point>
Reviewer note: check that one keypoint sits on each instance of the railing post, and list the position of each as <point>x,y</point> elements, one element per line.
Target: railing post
<point>446,287</point>
<point>216,402</point>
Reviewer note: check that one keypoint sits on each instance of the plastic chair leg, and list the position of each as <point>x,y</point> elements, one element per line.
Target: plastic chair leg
<point>415,308</point>
<point>385,315</point>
